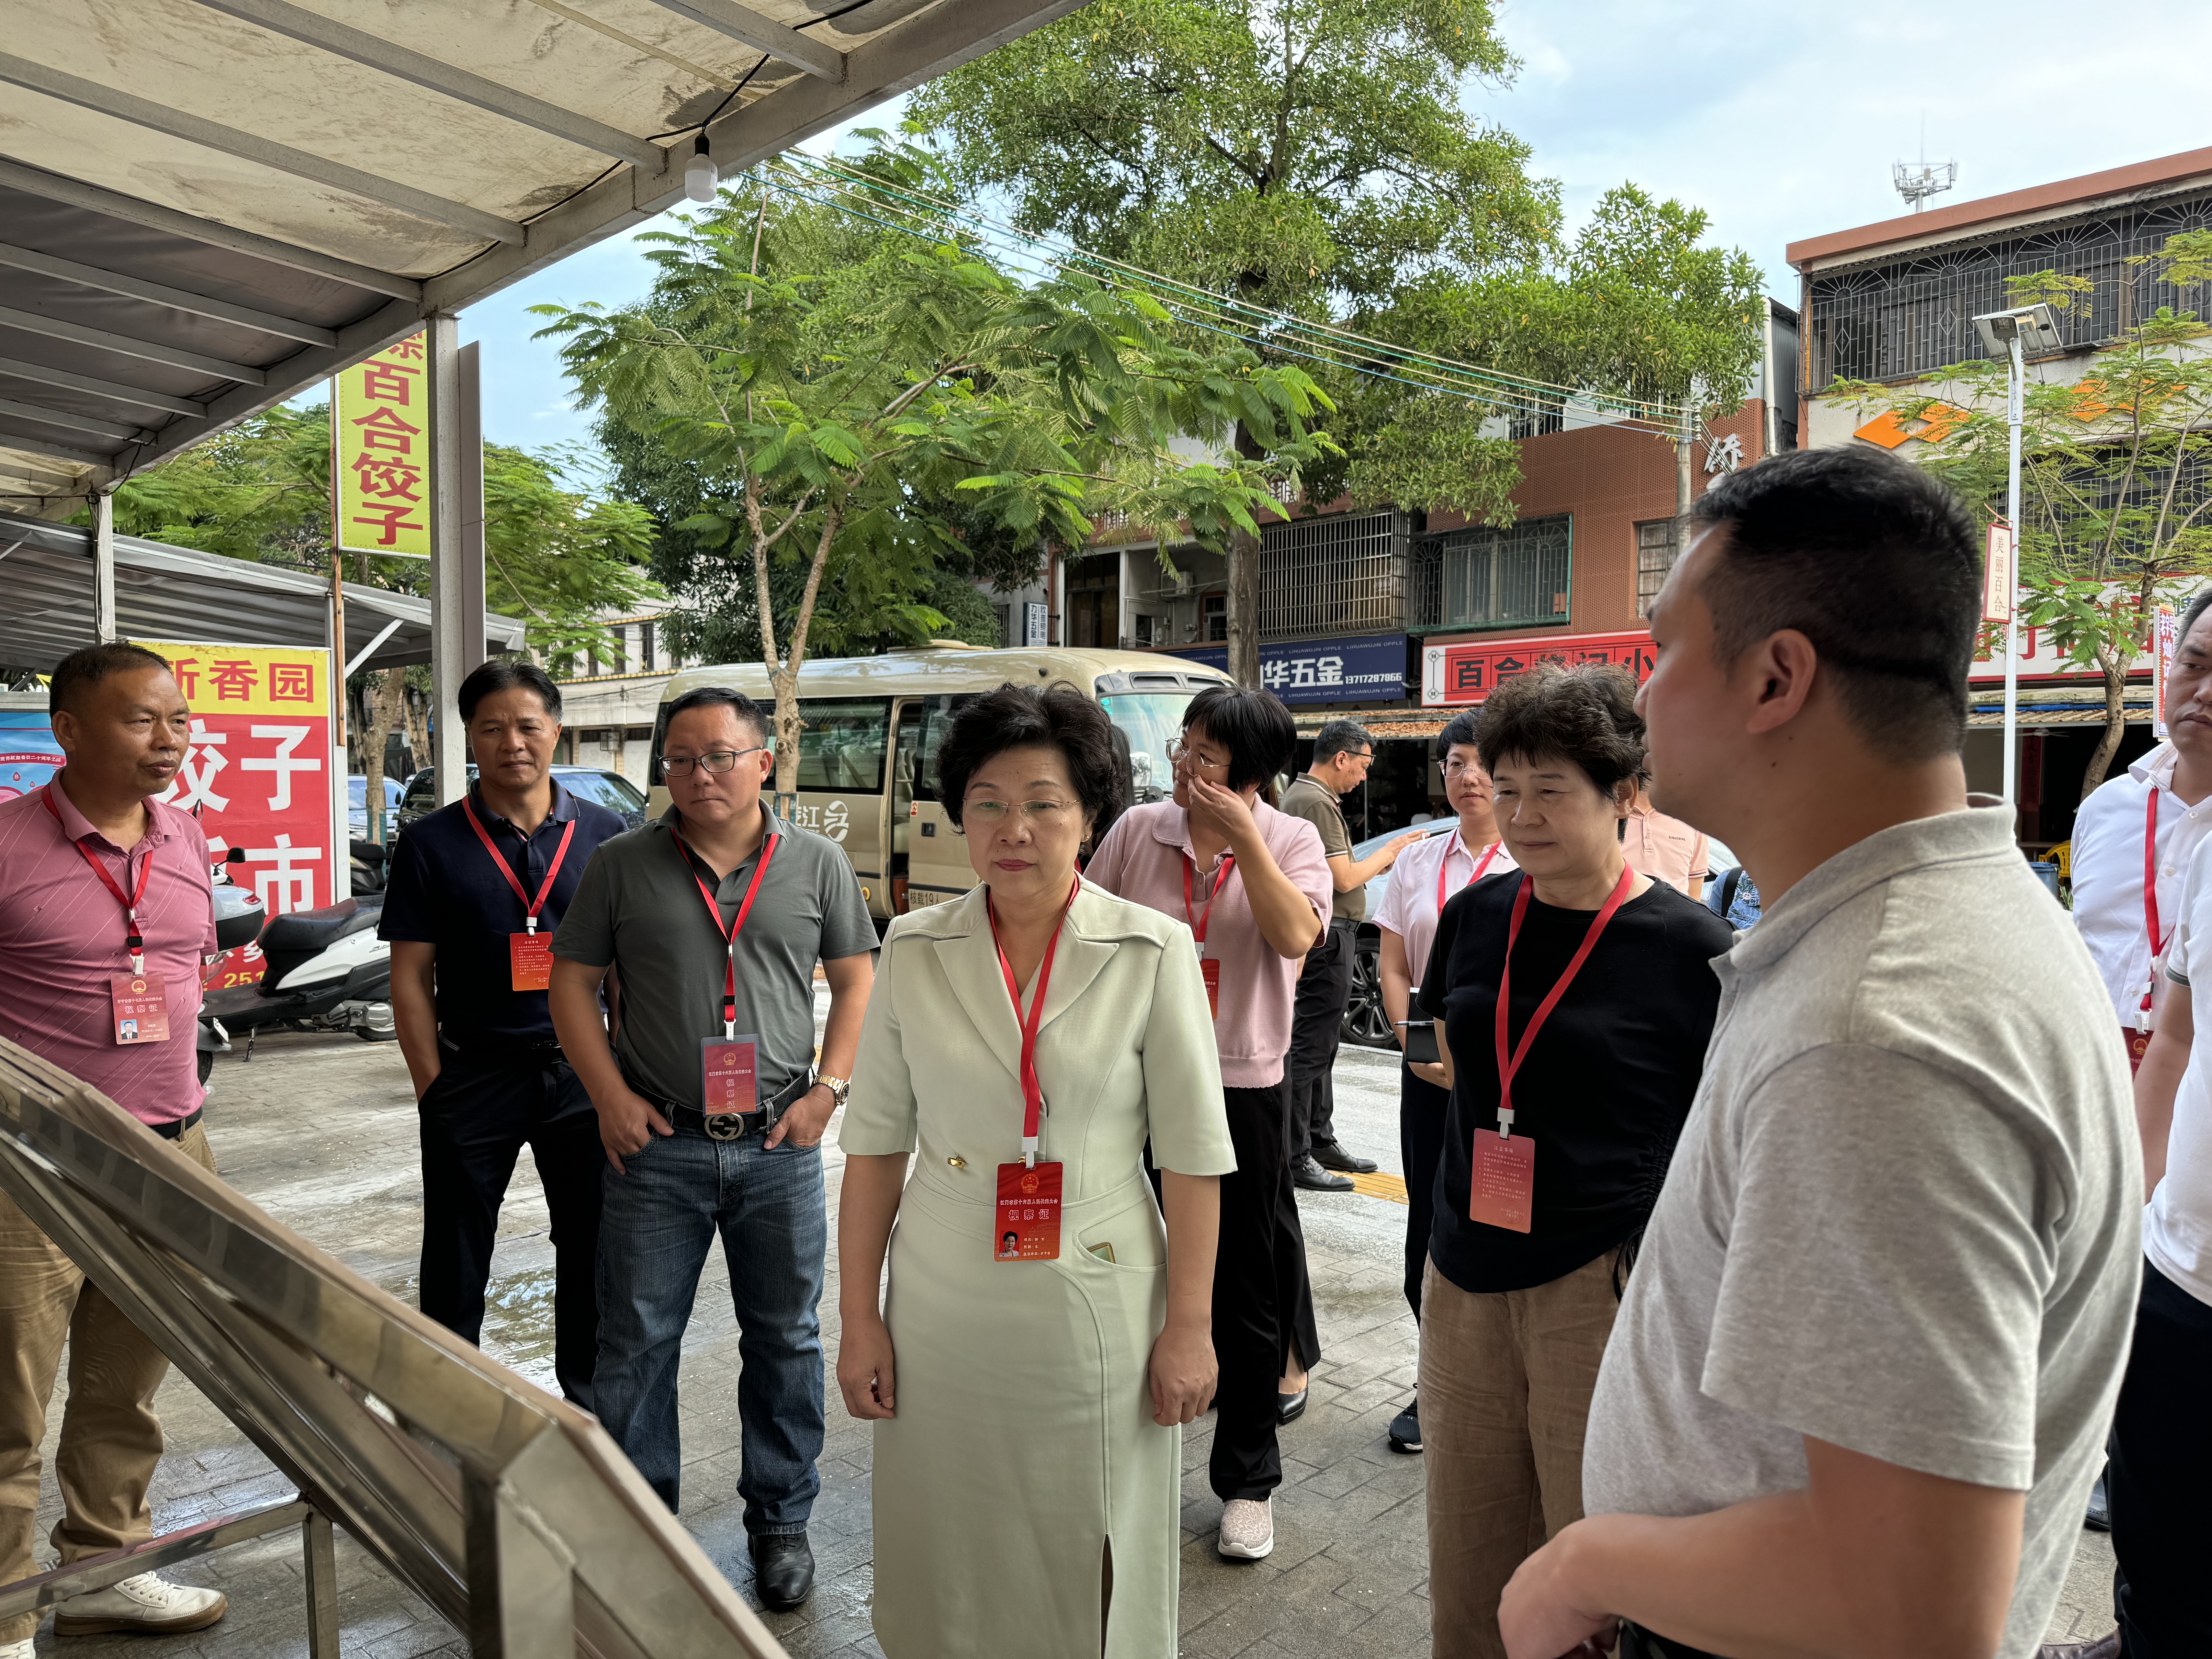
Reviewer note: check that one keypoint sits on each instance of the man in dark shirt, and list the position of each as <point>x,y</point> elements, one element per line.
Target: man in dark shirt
<point>475,891</point>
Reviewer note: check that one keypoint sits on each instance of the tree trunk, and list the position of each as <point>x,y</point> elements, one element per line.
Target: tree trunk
<point>1244,607</point>
<point>2116,724</point>
<point>389,714</point>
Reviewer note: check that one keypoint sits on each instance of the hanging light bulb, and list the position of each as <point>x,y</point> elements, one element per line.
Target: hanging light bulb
<point>701,177</point>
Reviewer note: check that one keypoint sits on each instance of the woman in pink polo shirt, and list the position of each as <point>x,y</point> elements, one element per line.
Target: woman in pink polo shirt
<point>1253,885</point>
<point>1424,877</point>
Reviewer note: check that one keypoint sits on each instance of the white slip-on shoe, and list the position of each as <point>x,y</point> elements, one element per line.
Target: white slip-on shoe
<point>15,1649</point>
<point>1247,1529</point>
<point>147,1605</point>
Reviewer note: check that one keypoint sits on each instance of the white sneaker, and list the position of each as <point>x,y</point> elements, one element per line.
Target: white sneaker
<point>147,1605</point>
<point>1247,1529</point>
<point>15,1649</point>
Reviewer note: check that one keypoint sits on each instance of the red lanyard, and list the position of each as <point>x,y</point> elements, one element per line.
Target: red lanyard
<point>530,907</point>
<point>1488,853</point>
<point>2150,900</point>
<point>1507,1068</point>
<point>1220,880</point>
<point>730,933</point>
<point>1032,1091</point>
<point>135,940</point>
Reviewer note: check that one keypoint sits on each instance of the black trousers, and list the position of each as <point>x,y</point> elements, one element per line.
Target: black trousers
<point>1316,1028</point>
<point>1421,1106</point>
<point>475,1118</point>
<point>2161,1460</point>
<point>1262,1298</point>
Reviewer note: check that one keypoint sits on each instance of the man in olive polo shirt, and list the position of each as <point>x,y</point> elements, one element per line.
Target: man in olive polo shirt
<point>713,919</point>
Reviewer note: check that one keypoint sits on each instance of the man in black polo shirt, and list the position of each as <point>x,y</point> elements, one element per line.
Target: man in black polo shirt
<point>712,1106</point>
<point>475,891</point>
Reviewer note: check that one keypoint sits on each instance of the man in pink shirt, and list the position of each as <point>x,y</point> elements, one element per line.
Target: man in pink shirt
<point>107,914</point>
<point>1253,885</point>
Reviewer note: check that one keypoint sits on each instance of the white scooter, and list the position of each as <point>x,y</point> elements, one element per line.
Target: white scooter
<point>327,971</point>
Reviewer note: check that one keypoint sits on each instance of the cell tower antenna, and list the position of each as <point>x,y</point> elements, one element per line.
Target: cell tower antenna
<point>1916,181</point>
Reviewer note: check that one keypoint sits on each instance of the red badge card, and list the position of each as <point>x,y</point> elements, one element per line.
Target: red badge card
<point>1505,1186</point>
<point>1211,971</point>
<point>730,1074</point>
<point>530,961</point>
<point>1029,1214</point>
<point>142,1007</point>
<point>2138,1042</point>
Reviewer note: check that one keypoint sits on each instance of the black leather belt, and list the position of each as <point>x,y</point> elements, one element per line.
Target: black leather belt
<point>734,1126</point>
<point>1637,1643</point>
<point>175,1128</point>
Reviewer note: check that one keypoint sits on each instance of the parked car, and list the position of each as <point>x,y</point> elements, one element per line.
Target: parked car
<point>357,805</point>
<point>609,789</point>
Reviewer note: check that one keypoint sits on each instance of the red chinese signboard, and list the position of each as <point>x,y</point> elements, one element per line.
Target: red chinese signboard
<point>1469,672</point>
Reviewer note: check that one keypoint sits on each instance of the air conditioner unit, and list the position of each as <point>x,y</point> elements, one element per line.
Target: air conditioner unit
<point>1184,586</point>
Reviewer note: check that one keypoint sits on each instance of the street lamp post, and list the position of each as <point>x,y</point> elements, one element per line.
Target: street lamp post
<point>2015,331</point>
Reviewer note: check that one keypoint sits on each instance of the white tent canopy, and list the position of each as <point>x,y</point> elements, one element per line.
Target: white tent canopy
<point>208,206</point>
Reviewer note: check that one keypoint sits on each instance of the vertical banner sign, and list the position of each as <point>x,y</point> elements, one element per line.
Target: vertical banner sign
<point>380,452</point>
<point>2164,634</point>
<point>257,774</point>
<point>1997,582</point>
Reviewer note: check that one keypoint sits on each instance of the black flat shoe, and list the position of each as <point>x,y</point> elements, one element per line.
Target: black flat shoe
<point>1289,1407</point>
<point>1310,1176</point>
<point>783,1568</point>
<point>2099,1518</point>
<point>1405,1429</point>
<point>1331,1156</point>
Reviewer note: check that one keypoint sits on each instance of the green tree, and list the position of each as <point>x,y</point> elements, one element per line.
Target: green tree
<point>558,551</point>
<point>833,420</point>
<point>1316,157</point>
<point>2116,474</point>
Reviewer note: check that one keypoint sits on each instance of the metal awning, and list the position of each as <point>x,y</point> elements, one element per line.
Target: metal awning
<point>208,206</point>
<point>165,592</point>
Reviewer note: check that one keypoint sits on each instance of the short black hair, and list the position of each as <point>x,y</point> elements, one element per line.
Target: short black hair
<point>504,674</point>
<point>1460,730</point>
<point>718,697</point>
<point>1339,737</point>
<point>1586,713</point>
<point>2196,607</point>
<point>85,668</point>
<point>1252,725</point>
<point>1874,561</point>
<point>1055,716</point>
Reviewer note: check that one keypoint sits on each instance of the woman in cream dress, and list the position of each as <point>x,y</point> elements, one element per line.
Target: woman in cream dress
<point>1028,1452</point>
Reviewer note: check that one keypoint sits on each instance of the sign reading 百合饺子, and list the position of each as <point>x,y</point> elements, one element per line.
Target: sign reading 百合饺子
<point>380,452</point>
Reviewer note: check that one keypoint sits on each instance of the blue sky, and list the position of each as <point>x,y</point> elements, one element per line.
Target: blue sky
<point>1780,121</point>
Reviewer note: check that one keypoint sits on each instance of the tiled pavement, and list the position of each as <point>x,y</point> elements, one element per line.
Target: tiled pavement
<point>320,1132</point>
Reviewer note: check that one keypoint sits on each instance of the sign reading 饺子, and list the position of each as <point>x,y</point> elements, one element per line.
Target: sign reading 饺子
<point>257,771</point>
<point>380,452</point>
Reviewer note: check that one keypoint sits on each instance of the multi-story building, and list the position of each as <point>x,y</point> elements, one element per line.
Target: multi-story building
<point>610,694</point>
<point>1895,302</point>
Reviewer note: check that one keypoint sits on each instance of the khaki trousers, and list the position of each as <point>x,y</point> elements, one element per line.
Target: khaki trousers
<point>110,1440</point>
<point>1505,1390</point>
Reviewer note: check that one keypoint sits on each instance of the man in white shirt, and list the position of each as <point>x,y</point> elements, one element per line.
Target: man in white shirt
<point>2112,910</point>
<point>2161,1444</point>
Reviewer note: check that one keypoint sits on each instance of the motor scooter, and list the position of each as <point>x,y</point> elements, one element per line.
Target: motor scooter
<point>239,916</point>
<point>327,971</point>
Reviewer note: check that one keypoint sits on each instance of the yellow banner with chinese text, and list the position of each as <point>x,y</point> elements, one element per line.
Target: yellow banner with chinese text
<point>249,679</point>
<point>381,451</point>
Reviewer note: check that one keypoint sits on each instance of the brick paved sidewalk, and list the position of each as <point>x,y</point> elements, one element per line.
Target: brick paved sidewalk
<point>320,1132</point>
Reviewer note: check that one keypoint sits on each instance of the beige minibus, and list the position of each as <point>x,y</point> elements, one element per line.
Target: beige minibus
<point>867,774</point>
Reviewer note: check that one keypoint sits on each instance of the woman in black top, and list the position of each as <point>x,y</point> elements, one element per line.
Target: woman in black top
<point>1534,1229</point>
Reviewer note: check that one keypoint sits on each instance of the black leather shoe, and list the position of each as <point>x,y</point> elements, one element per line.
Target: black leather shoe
<point>1331,1156</point>
<point>1289,1407</point>
<point>1405,1428</point>
<point>1310,1176</point>
<point>2104,1648</point>
<point>2099,1518</point>
<point>783,1568</point>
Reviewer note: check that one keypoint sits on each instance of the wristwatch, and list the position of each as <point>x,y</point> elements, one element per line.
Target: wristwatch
<point>839,1087</point>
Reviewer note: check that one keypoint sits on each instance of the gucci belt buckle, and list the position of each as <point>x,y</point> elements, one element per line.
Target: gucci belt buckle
<point>725,1125</point>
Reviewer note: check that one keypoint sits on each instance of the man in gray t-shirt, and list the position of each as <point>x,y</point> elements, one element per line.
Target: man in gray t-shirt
<point>1861,1378</point>
<point>711,1108</point>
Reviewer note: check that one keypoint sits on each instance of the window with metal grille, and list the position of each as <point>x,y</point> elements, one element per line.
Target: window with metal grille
<point>645,647</point>
<point>1345,573</point>
<point>1916,315</point>
<point>1217,617</point>
<point>1486,577</point>
<point>1656,545</point>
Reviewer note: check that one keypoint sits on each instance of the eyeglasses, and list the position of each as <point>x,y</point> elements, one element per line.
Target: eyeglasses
<point>715,760</point>
<point>1038,814</point>
<point>1458,769</point>
<point>1179,751</point>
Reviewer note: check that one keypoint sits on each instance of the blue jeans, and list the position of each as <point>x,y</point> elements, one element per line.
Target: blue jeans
<point>656,1223</point>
